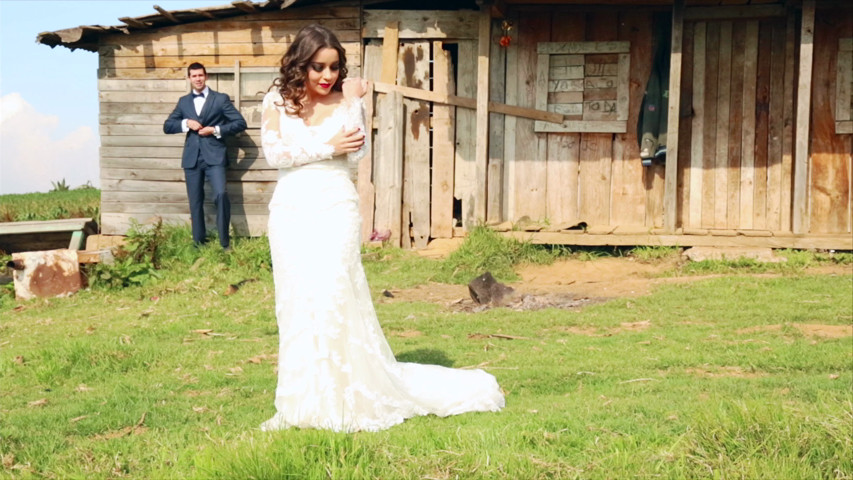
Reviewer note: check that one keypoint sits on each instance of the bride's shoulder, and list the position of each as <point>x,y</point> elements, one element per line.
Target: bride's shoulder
<point>273,98</point>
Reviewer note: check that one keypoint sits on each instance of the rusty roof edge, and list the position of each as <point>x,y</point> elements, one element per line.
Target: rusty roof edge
<point>85,37</point>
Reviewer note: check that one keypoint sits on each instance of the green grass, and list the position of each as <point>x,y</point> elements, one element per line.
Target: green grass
<point>78,203</point>
<point>171,378</point>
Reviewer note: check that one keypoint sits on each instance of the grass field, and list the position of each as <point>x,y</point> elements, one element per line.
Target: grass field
<point>78,203</point>
<point>739,376</point>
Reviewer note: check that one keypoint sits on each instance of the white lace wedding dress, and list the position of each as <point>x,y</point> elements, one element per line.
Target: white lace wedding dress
<point>336,371</point>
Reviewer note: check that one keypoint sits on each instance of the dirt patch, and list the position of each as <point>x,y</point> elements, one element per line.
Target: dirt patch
<point>809,330</point>
<point>572,283</point>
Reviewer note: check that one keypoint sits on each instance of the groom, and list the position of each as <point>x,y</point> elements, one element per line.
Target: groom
<point>206,117</point>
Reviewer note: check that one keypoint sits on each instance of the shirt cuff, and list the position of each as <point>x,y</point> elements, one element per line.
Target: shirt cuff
<point>184,127</point>
<point>216,132</point>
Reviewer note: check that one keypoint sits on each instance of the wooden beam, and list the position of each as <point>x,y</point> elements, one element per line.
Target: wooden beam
<point>134,22</point>
<point>166,14</point>
<point>481,157</point>
<point>670,191</point>
<point>244,5</point>
<point>203,13</point>
<point>801,139</point>
<point>471,103</point>
<point>775,240</point>
<point>389,53</point>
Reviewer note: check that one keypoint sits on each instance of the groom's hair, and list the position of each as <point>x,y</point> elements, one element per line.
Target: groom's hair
<point>196,66</point>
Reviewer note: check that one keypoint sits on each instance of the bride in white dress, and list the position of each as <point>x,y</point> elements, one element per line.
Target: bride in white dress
<point>336,371</point>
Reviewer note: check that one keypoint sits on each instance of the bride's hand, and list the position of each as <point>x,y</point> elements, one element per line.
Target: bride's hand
<point>354,87</point>
<point>347,141</point>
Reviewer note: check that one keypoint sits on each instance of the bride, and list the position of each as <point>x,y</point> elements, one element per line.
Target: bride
<point>336,371</point>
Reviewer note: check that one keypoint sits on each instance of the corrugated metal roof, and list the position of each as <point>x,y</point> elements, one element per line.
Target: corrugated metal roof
<point>86,37</point>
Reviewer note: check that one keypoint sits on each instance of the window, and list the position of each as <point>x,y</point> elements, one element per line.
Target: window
<point>587,82</point>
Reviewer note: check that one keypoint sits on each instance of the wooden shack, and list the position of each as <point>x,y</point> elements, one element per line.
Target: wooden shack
<point>519,114</point>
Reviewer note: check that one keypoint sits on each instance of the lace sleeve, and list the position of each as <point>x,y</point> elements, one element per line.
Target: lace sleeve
<point>278,151</point>
<point>355,119</point>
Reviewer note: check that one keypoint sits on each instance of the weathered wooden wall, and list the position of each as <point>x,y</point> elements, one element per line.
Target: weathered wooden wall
<point>141,77</point>
<point>423,173</point>
<point>736,142</point>
<point>565,179</point>
<point>735,148</point>
<point>738,90</point>
<point>830,189</point>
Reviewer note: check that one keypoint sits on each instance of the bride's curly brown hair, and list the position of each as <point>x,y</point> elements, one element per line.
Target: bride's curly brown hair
<point>294,64</point>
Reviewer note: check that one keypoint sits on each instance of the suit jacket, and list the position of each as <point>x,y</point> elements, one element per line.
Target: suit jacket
<point>217,111</point>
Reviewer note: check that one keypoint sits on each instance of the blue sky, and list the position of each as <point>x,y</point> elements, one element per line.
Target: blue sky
<point>49,97</point>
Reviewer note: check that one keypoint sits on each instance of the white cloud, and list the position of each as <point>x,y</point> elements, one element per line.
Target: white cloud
<point>35,151</point>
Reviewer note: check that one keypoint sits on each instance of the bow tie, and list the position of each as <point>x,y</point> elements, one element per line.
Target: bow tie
<point>198,95</point>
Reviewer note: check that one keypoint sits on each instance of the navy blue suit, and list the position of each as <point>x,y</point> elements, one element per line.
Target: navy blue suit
<point>204,156</point>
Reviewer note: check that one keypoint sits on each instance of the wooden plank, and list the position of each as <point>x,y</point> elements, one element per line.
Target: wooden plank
<point>238,197</point>
<point>243,225</point>
<point>595,153</point>
<point>722,146</point>
<point>481,155</point>
<point>733,13</point>
<point>510,121</point>
<point>673,117</point>
<point>530,172</point>
<point>709,137</point>
<point>698,125</point>
<point>465,177</point>
<point>177,174</point>
<point>129,185</point>
<point>776,119</point>
<point>443,140</point>
<point>388,166</point>
<point>390,47</point>
<point>582,126</point>
<point>421,24</point>
<point>497,93</point>
<point>788,122</point>
<point>762,126</point>
<point>622,86</point>
<point>800,220</point>
<point>826,242</point>
<point>209,61</point>
<point>563,149</point>
<point>178,207</point>
<point>685,135</point>
<point>413,70</point>
<point>151,85</point>
<point>468,102</point>
<point>844,81</point>
<point>750,79</point>
<point>45,226</point>
<point>594,47</point>
<point>735,127</point>
<point>562,178</point>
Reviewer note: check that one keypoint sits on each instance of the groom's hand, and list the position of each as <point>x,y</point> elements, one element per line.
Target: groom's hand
<point>206,131</point>
<point>193,125</point>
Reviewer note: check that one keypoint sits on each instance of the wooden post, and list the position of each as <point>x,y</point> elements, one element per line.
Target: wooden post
<point>670,198</point>
<point>804,95</point>
<point>389,54</point>
<point>481,157</point>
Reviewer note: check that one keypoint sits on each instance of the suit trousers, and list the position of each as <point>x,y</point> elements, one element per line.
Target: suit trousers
<point>195,192</point>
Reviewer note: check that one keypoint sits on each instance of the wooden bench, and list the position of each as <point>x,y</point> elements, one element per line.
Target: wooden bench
<point>46,235</point>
